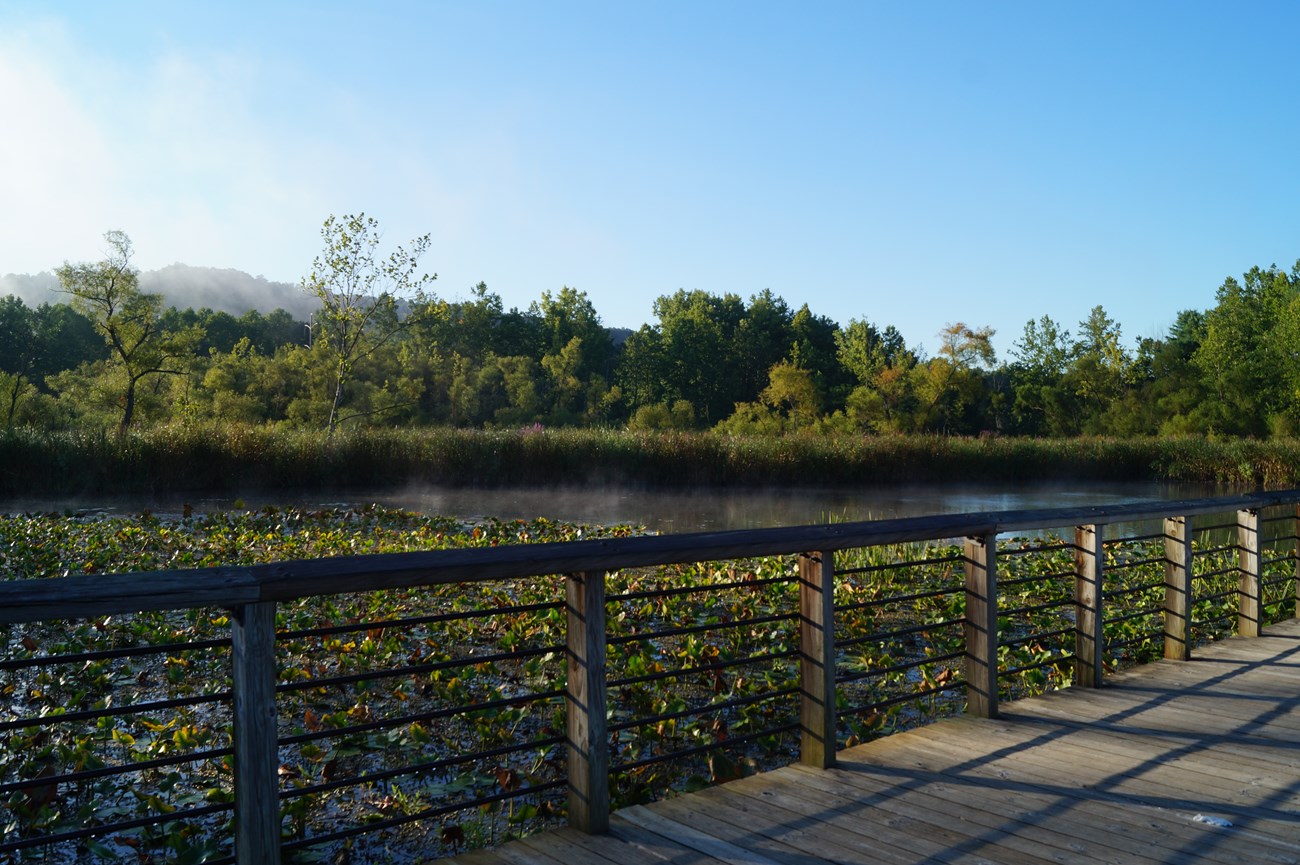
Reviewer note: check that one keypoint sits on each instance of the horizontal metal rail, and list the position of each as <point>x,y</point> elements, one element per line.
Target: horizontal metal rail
<point>702,589</point>
<point>730,741</point>
<point>892,566</point>
<point>684,672</point>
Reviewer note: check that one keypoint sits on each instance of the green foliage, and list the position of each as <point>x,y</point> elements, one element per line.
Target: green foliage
<point>361,296</point>
<point>383,353</point>
<point>660,416</point>
<point>140,346</point>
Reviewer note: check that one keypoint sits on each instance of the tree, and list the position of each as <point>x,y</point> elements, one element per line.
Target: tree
<point>1099,371</point>
<point>1042,355</point>
<point>19,354</point>
<point>362,295</point>
<point>569,314</point>
<point>793,391</point>
<point>695,333</point>
<point>762,338</point>
<point>130,321</point>
<point>951,384</point>
<point>865,352</point>
<point>641,367</point>
<point>230,383</point>
<point>477,327</point>
<point>562,371</point>
<point>1247,352</point>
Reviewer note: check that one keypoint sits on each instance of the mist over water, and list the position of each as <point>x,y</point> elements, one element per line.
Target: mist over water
<point>719,510</point>
<point>662,511</point>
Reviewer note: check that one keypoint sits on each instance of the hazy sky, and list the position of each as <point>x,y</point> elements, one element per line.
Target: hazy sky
<point>912,163</point>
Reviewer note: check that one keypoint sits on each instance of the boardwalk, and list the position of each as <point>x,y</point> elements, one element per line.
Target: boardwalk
<point>1151,768</point>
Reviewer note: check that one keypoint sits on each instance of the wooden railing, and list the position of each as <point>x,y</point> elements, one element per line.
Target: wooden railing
<point>825,694</point>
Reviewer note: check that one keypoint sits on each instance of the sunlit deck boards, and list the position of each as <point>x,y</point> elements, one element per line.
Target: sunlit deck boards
<point>1118,774</point>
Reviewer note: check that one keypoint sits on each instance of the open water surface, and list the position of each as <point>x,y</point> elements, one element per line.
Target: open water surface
<point>664,511</point>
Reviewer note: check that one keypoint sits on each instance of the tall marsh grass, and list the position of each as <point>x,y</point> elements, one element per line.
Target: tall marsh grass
<point>232,457</point>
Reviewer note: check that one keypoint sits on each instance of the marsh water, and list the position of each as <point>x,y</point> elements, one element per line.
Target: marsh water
<point>663,510</point>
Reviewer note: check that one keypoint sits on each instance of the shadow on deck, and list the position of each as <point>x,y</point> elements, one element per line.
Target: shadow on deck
<point>1173,762</point>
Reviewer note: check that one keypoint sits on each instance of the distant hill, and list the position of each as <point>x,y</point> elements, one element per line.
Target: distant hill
<point>219,288</point>
<point>225,290</point>
<point>31,289</point>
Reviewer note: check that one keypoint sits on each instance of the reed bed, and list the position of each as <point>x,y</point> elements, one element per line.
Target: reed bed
<point>242,458</point>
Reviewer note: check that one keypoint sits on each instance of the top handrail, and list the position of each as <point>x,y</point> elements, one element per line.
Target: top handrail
<point>114,594</point>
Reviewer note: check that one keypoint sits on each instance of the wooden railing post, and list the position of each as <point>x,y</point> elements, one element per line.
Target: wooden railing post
<point>1248,606</point>
<point>817,740</point>
<point>1297,561</point>
<point>1089,639</point>
<point>587,734</point>
<point>980,555</point>
<point>257,756</point>
<point>1178,588</point>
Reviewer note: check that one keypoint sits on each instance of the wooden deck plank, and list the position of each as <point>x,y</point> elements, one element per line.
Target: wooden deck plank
<point>1116,774</point>
<point>1267,728</point>
<point>658,847</point>
<point>1111,775</point>
<point>660,822</point>
<point>1092,838</point>
<point>1220,674</point>
<point>1067,819</point>
<point>565,843</point>
<point>784,835</point>
<point>1247,740</point>
<point>933,755</point>
<point>934,834</point>
<point>1148,747</point>
<point>519,853</point>
<point>870,836</point>
<point>631,849</point>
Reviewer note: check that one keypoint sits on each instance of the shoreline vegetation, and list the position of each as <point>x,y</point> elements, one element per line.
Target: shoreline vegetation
<point>237,458</point>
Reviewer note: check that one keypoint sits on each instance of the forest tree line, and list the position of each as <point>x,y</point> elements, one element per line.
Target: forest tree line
<point>386,351</point>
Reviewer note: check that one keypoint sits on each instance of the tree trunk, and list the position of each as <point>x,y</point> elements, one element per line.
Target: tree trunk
<point>128,409</point>
<point>14,395</point>
<point>334,407</point>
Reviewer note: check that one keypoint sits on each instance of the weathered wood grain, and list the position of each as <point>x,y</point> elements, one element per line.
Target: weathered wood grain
<point>1178,588</point>
<point>257,800</point>
<point>817,659</point>
<point>1248,595</point>
<point>979,557</point>
<point>1089,645</point>
<point>585,701</point>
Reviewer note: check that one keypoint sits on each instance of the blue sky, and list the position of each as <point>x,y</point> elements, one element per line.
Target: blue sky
<point>910,163</point>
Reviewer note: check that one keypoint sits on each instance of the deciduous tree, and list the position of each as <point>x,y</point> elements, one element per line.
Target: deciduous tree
<point>130,320</point>
<point>365,298</point>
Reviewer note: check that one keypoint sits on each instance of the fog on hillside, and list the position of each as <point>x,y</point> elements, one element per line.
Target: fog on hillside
<point>183,286</point>
<point>225,290</point>
<point>32,289</point>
